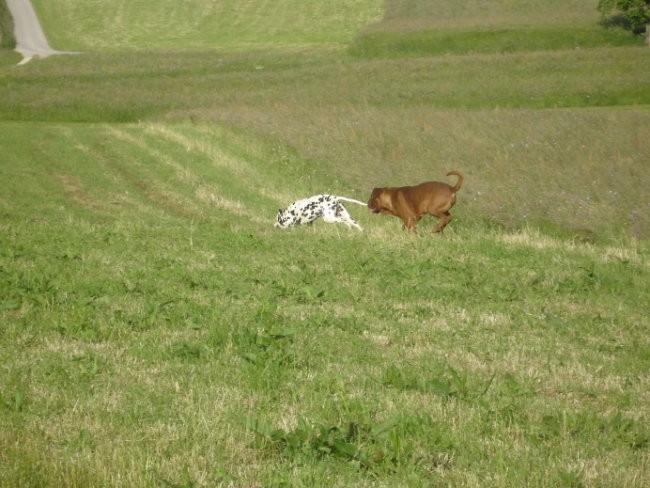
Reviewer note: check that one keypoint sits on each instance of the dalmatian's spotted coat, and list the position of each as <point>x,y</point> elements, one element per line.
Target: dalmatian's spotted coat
<point>305,211</point>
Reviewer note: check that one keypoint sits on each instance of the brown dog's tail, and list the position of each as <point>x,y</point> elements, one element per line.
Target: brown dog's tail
<point>459,183</point>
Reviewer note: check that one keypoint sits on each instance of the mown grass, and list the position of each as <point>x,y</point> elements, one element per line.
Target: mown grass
<point>128,87</point>
<point>412,14</point>
<point>156,330</point>
<point>198,25</point>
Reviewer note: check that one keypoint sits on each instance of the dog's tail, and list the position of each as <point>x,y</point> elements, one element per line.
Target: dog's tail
<point>459,183</point>
<point>352,200</point>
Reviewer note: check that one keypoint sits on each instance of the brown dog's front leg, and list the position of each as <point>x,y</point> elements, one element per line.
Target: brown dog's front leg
<point>409,224</point>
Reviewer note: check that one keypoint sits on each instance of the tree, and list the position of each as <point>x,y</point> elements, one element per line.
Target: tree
<point>636,14</point>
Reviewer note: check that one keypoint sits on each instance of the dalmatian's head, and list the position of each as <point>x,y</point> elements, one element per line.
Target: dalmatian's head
<point>280,219</point>
<point>284,218</point>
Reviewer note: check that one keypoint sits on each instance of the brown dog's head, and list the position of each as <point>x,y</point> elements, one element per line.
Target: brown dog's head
<point>377,202</point>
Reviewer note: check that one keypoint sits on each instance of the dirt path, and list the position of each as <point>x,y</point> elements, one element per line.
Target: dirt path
<point>30,38</point>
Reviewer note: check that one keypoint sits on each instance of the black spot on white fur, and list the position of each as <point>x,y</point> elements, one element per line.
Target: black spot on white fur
<point>305,211</point>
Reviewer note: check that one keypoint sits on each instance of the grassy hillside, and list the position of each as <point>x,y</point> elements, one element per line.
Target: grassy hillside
<point>156,330</point>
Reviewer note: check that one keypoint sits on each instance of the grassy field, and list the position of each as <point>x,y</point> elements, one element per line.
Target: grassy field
<point>566,148</point>
<point>417,28</point>
<point>156,330</point>
<point>200,25</point>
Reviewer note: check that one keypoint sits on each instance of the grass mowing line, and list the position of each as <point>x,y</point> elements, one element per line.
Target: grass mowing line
<point>206,139</point>
<point>119,195</point>
<point>45,167</point>
<point>280,175</point>
<point>161,193</point>
<point>123,199</point>
<point>239,169</point>
<point>205,193</point>
<point>183,173</point>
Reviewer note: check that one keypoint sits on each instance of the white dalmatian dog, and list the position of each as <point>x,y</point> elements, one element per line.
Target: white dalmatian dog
<point>305,211</point>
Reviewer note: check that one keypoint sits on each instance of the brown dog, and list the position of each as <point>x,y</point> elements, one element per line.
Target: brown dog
<point>410,203</point>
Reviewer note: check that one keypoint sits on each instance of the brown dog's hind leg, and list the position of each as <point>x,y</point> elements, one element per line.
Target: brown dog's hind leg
<point>443,219</point>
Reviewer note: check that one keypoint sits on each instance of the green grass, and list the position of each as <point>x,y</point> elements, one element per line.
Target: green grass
<point>440,42</point>
<point>475,14</point>
<point>526,128</point>
<point>198,25</point>
<point>416,28</point>
<point>156,330</point>
<point>7,39</point>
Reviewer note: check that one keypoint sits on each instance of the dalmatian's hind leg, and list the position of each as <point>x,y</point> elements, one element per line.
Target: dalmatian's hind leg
<point>342,215</point>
